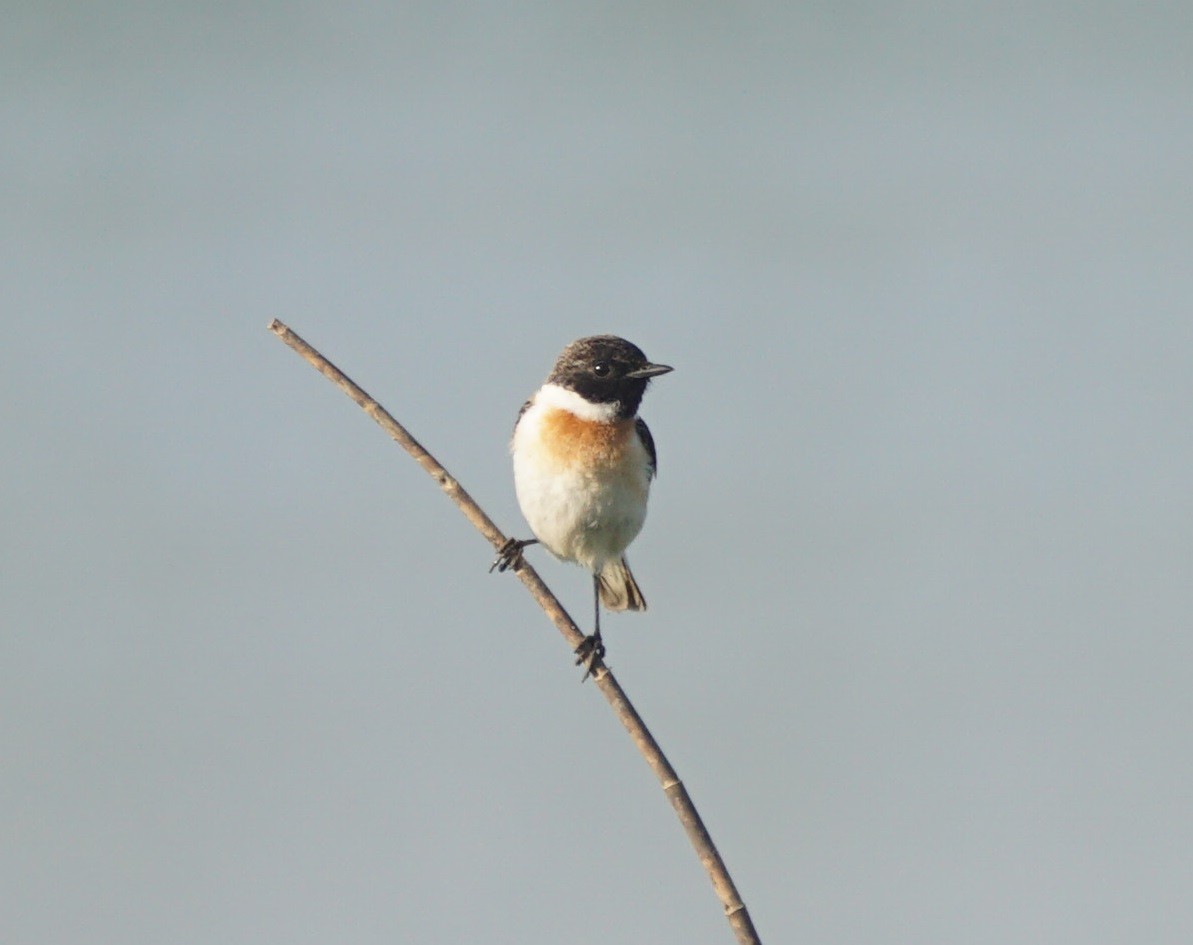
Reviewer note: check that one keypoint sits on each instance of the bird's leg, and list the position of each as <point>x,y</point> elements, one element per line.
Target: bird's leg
<point>509,555</point>
<point>591,650</point>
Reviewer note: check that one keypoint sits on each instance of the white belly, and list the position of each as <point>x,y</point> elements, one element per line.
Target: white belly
<point>588,515</point>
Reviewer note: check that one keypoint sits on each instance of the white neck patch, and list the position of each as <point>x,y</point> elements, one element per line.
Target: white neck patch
<point>552,395</point>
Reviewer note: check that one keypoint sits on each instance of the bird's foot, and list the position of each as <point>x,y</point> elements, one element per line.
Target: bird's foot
<point>509,555</point>
<point>590,654</point>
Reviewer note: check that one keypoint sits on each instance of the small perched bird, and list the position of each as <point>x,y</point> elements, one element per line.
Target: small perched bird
<point>583,463</point>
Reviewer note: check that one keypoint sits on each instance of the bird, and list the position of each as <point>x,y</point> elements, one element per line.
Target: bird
<point>583,465</point>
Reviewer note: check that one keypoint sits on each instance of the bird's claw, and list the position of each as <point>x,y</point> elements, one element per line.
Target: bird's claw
<point>590,654</point>
<point>509,555</point>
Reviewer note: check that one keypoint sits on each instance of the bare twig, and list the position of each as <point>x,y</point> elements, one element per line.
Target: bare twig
<point>735,909</point>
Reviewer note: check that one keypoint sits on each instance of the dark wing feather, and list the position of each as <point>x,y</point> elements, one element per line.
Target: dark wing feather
<point>525,407</point>
<point>648,442</point>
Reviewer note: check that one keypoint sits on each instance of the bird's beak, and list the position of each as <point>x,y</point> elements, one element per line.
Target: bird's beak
<point>649,370</point>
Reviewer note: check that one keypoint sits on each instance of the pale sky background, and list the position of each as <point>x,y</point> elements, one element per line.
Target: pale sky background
<point>919,557</point>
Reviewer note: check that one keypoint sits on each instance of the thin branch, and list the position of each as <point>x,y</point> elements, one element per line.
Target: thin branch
<point>735,909</point>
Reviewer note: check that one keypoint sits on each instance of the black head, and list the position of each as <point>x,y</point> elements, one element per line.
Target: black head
<point>605,369</point>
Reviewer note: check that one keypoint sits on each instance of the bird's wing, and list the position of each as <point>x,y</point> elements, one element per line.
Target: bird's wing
<point>648,442</point>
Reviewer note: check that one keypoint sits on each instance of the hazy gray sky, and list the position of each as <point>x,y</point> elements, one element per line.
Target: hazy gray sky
<point>918,558</point>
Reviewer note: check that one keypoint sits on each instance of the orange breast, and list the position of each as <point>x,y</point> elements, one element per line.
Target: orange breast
<point>568,439</point>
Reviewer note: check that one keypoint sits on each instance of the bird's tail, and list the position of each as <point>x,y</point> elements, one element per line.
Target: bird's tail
<point>619,590</point>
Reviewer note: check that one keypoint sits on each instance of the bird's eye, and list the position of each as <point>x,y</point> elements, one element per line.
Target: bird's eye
<point>602,368</point>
